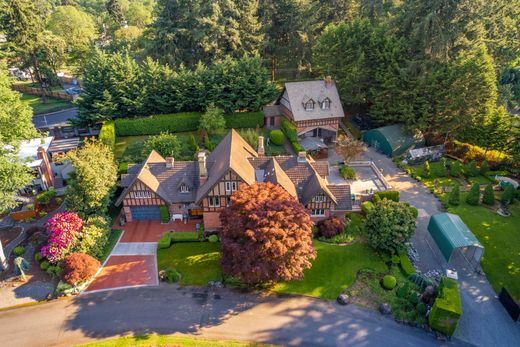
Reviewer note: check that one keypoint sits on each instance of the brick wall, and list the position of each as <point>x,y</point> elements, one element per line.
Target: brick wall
<point>211,220</point>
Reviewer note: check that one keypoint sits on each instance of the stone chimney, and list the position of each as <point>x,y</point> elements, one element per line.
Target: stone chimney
<point>261,148</point>
<point>169,162</point>
<point>203,170</point>
<point>302,157</point>
<point>328,82</point>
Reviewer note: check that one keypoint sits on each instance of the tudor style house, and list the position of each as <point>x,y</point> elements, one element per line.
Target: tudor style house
<point>314,107</point>
<point>202,188</point>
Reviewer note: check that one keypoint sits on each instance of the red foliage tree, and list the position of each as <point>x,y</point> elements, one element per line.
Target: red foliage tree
<point>266,235</point>
<point>331,227</point>
<point>79,267</point>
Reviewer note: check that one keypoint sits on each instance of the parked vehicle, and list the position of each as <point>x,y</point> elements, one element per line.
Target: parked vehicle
<point>73,91</point>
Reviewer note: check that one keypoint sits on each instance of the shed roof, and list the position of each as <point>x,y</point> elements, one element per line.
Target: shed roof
<point>450,233</point>
<point>397,139</point>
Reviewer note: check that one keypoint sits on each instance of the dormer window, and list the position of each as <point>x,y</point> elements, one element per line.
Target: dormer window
<point>184,188</point>
<point>325,104</point>
<point>309,105</point>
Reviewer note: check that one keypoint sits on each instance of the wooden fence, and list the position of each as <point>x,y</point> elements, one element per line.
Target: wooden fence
<point>40,92</point>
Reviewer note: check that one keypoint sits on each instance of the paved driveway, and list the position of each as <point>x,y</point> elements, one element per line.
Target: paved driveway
<point>484,321</point>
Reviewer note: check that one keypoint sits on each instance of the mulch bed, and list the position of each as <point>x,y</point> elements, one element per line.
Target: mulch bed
<point>9,235</point>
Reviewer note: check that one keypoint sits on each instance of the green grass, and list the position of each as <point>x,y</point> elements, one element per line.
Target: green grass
<point>169,340</point>
<point>129,146</point>
<point>333,270</point>
<point>198,262</point>
<point>112,240</point>
<point>52,104</point>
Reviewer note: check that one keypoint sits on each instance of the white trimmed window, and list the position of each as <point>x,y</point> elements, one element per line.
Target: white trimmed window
<point>184,188</point>
<point>319,198</point>
<point>309,105</point>
<point>231,186</point>
<point>143,195</point>
<point>214,201</point>
<point>325,104</point>
<point>317,212</point>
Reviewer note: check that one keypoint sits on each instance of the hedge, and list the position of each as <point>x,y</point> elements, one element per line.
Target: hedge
<point>406,264</point>
<point>165,241</point>
<point>154,125</point>
<point>240,120</point>
<point>107,134</point>
<point>447,309</point>
<point>292,135</point>
<point>184,236</point>
<point>389,194</point>
<point>165,214</point>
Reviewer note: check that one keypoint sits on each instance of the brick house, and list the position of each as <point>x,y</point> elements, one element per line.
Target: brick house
<point>36,155</point>
<point>314,107</point>
<point>202,188</point>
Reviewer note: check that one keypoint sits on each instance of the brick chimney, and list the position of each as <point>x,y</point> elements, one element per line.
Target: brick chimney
<point>261,148</point>
<point>302,157</point>
<point>169,162</point>
<point>203,170</point>
<point>46,168</point>
<point>328,82</point>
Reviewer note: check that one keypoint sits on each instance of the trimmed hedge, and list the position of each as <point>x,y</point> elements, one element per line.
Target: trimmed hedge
<point>291,133</point>
<point>154,125</point>
<point>389,194</point>
<point>277,137</point>
<point>389,282</point>
<point>107,134</point>
<point>184,236</point>
<point>406,264</point>
<point>165,214</point>
<point>447,309</point>
<point>240,120</point>
<point>165,241</point>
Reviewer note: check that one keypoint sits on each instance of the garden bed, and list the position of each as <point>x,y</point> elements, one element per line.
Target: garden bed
<point>9,234</point>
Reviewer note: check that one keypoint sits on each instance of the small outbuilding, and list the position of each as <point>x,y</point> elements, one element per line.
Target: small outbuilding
<point>452,236</point>
<point>392,140</point>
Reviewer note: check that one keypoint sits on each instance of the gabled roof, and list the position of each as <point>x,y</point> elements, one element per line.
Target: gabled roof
<point>315,185</point>
<point>274,173</point>
<point>232,153</point>
<point>300,92</point>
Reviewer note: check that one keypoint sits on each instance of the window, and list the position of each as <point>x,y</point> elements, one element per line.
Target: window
<point>214,201</point>
<point>317,212</point>
<point>325,104</point>
<point>184,188</point>
<point>231,186</point>
<point>309,105</point>
<point>143,195</point>
<point>228,201</point>
<point>271,121</point>
<point>319,198</point>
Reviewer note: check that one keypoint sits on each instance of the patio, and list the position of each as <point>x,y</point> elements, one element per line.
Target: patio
<point>367,179</point>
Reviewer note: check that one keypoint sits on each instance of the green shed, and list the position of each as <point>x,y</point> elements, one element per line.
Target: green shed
<point>451,235</point>
<point>392,140</point>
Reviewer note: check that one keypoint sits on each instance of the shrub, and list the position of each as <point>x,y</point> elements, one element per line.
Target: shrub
<point>489,195</point>
<point>442,171</point>
<point>94,236</point>
<point>208,144</point>
<point>79,268</point>
<point>447,309</point>
<point>347,172</point>
<point>213,238</point>
<point>291,133</point>
<point>456,169</point>
<point>277,137</point>
<point>415,212</point>
<point>421,281</point>
<point>406,264</point>
<point>154,125</point>
<point>165,214</point>
<point>184,236</point>
<point>46,197</point>
<point>170,275</point>
<point>470,169</point>
<point>240,120</point>
<point>469,152</point>
<point>366,207</point>
<point>19,250</point>
<point>389,282</point>
<point>508,195</point>
<point>454,197</point>
<point>389,194</point>
<point>250,136</point>
<point>122,168</point>
<point>107,134</point>
<point>165,241</point>
<point>473,197</point>
<point>402,292</point>
<point>484,168</point>
<point>192,143</point>
<point>64,229</point>
<point>212,120</point>
<point>426,169</point>
<point>421,308</point>
<point>38,256</point>
<point>54,271</point>
<point>331,227</point>
<point>44,265</point>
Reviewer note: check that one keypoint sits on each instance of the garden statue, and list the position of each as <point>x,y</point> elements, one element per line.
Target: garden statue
<point>20,267</point>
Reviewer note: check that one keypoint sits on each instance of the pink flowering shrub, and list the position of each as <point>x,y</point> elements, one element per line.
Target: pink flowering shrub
<point>64,230</point>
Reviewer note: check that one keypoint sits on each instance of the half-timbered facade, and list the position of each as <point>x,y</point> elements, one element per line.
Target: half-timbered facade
<point>203,188</point>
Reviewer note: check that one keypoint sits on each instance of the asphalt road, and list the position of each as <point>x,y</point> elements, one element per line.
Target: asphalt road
<point>217,314</point>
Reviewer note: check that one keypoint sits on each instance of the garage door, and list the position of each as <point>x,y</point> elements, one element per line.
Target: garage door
<point>146,212</point>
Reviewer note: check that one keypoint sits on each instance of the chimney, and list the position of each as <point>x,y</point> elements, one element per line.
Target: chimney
<point>328,81</point>
<point>261,149</point>
<point>169,162</point>
<point>203,171</point>
<point>302,157</point>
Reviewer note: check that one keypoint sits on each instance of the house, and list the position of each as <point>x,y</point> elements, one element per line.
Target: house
<point>314,107</point>
<point>35,153</point>
<point>202,188</point>
<point>58,124</point>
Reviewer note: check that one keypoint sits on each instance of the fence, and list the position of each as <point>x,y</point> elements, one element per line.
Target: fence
<point>371,164</point>
<point>40,92</point>
<point>512,307</point>
<point>21,215</point>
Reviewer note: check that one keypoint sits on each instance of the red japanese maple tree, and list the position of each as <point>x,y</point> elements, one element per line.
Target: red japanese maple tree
<point>266,235</point>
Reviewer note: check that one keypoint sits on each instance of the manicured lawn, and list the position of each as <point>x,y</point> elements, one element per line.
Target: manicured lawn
<point>333,270</point>
<point>198,262</point>
<point>112,240</point>
<point>129,146</point>
<point>52,104</point>
<point>170,340</point>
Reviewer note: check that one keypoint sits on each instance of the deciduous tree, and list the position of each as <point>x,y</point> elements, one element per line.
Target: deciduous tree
<point>167,145</point>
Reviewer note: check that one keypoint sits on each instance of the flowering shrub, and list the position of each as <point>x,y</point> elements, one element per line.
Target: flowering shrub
<point>64,229</point>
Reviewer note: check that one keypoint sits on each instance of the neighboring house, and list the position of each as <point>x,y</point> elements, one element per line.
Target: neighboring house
<point>35,153</point>
<point>62,169</point>
<point>58,124</point>
<point>314,107</point>
<point>202,188</point>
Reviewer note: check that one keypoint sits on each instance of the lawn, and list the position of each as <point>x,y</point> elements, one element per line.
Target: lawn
<point>170,340</point>
<point>52,104</point>
<point>333,270</point>
<point>198,262</point>
<point>129,146</point>
<point>112,240</point>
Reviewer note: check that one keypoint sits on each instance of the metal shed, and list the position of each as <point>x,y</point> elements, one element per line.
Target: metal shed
<point>392,140</point>
<point>453,236</point>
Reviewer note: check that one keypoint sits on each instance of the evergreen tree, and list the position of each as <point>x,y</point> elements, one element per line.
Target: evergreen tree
<point>489,195</point>
<point>426,169</point>
<point>484,168</point>
<point>456,169</point>
<point>115,11</point>
<point>508,195</point>
<point>454,197</point>
<point>473,197</point>
<point>442,171</point>
<point>470,169</point>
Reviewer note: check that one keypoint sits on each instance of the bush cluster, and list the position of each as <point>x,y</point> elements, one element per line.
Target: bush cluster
<point>170,275</point>
<point>46,197</point>
<point>107,134</point>
<point>468,152</point>
<point>389,194</point>
<point>330,227</point>
<point>347,172</point>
